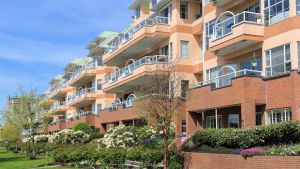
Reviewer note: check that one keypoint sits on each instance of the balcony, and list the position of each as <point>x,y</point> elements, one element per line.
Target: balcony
<point>83,116</point>
<point>227,90</point>
<point>83,74</point>
<point>235,33</point>
<point>134,74</point>
<point>82,97</point>
<point>144,35</point>
<point>57,125</point>
<point>59,107</point>
<point>58,91</point>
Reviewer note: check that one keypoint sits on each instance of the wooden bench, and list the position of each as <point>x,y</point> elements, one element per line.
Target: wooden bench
<point>133,164</point>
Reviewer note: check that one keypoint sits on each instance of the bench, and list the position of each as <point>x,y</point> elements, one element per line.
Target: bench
<point>133,164</point>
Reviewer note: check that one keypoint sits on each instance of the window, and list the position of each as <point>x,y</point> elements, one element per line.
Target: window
<point>298,52</point>
<point>207,2</point>
<point>184,10</point>
<point>201,50</point>
<point>94,61</point>
<point>248,65</point>
<point>258,119</point>
<point>275,116</point>
<point>99,60</point>
<point>184,87</point>
<point>93,86</point>
<point>229,71</point>
<point>200,11</point>
<point>233,121</point>
<point>69,116</point>
<point>183,126</point>
<point>98,43</point>
<point>170,12</point>
<point>138,12</point>
<point>99,107</point>
<point>154,2</point>
<point>297,7</point>
<point>184,49</point>
<point>212,73</point>
<point>164,50</point>
<point>276,11</point>
<point>99,84</point>
<point>209,31</point>
<point>278,60</point>
<point>93,108</point>
<point>171,51</point>
<point>91,49</point>
<point>211,122</point>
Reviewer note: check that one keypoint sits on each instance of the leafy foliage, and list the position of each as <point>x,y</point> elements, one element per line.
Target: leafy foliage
<point>283,132</point>
<point>82,126</point>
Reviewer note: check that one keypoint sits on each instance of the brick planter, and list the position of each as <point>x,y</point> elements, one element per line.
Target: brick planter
<point>207,160</point>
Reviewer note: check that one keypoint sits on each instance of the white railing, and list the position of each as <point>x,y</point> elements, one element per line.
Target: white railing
<point>78,71</point>
<point>54,106</point>
<point>225,80</point>
<point>225,27</point>
<point>78,94</point>
<point>126,37</point>
<point>128,70</point>
<point>56,87</point>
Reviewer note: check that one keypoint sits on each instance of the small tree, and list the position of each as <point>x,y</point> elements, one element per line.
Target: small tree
<point>11,133</point>
<point>82,126</point>
<point>27,114</point>
<point>162,98</point>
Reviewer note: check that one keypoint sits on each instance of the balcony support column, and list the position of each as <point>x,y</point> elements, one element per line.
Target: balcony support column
<point>248,115</point>
<point>216,113</point>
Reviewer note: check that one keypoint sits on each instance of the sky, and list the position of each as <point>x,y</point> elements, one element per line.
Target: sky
<point>38,38</point>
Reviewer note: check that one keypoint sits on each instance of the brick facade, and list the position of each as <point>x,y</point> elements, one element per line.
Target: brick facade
<point>207,160</point>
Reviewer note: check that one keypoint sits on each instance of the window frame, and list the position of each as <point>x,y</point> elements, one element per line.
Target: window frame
<point>285,61</point>
<point>188,54</point>
<point>238,120</point>
<point>99,85</point>
<point>187,13</point>
<point>183,126</point>
<point>210,121</point>
<point>269,11</point>
<point>272,121</point>
<point>138,12</point>
<point>153,4</point>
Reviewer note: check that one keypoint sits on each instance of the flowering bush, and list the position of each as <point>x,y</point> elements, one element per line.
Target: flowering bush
<point>119,136</point>
<point>253,151</point>
<point>37,139</point>
<point>284,150</point>
<point>257,16</point>
<point>68,136</point>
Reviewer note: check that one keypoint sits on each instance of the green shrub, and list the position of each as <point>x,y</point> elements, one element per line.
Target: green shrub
<point>81,126</point>
<point>95,136</point>
<point>15,151</point>
<point>158,144</point>
<point>92,130</point>
<point>277,133</point>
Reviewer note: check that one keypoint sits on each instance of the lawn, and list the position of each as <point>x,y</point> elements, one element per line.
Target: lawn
<point>9,160</point>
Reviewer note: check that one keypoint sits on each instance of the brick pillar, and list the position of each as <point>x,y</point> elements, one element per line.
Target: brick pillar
<point>192,123</point>
<point>248,115</point>
<point>295,103</point>
<point>121,122</point>
<point>103,128</point>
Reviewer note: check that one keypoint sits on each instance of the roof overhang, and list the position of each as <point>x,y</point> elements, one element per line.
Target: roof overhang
<point>90,45</point>
<point>160,5</point>
<point>137,3</point>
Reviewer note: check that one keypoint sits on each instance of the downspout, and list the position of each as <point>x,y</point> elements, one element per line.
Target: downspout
<point>203,40</point>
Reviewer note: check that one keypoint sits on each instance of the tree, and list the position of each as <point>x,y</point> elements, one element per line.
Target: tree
<point>162,98</point>
<point>81,126</point>
<point>11,133</point>
<point>27,114</point>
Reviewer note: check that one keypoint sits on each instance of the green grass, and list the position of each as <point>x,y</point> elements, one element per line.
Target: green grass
<point>9,160</point>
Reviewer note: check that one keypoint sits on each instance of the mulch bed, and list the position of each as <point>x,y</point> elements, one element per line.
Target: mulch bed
<point>33,159</point>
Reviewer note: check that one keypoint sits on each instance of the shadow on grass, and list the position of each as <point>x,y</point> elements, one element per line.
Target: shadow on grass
<point>12,158</point>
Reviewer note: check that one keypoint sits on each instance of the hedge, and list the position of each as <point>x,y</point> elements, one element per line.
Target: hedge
<point>82,126</point>
<point>277,133</point>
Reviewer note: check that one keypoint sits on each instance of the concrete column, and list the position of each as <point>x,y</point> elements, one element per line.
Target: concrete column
<point>248,115</point>
<point>103,128</point>
<point>121,122</point>
<point>192,123</point>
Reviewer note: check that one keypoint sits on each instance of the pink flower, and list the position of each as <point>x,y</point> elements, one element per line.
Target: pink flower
<point>263,141</point>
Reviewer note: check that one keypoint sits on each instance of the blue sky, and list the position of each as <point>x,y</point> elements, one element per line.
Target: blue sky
<point>39,37</point>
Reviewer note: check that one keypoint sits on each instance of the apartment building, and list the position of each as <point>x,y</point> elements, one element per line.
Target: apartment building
<point>240,58</point>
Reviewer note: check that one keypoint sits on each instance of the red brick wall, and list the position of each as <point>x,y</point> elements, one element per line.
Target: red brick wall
<point>206,161</point>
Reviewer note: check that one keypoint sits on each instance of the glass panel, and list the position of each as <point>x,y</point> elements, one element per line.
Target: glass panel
<point>287,53</point>
<point>297,7</point>
<point>269,113</point>
<point>288,66</point>
<point>208,122</point>
<point>266,3</point>
<point>233,121</point>
<point>229,70</point>
<point>258,119</point>
<point>266,15</point>
<point>229,24</point>
<point>286,7</point>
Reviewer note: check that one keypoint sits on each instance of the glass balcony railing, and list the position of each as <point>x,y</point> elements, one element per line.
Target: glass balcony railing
<point>56,87</point>
<point>89,65</point>
<point>54,106</point>
<point>78,94</point>
<point>127,36</point>
<point>128,70</point>
<point>57,121</point>
<point>225,80</point>
<point>225,27</point>
<point>79,115</point>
